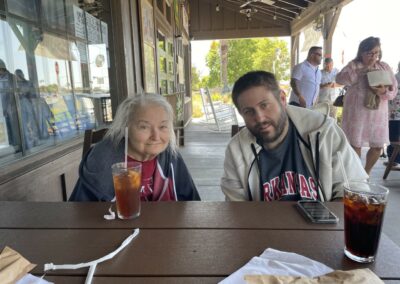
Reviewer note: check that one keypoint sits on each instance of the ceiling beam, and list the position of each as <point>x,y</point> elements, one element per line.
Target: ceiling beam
<point>292,4</point>
<point>238,34</point>
<point>229,4</point>
<point>313,11</point>
<point>289,10</point>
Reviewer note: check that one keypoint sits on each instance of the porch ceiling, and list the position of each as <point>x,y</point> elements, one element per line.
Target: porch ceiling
<point>286,10</point>
<point>221,19</point>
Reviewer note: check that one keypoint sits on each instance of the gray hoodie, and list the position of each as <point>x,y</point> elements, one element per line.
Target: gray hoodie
<point>320,140</point>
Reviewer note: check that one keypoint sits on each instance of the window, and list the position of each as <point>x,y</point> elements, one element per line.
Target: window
<point>161,41</point>
<point>162,63</point>
<point>165,63</point>
<point>53,14</point>
<point>27,9</point>
<point>54,79</point>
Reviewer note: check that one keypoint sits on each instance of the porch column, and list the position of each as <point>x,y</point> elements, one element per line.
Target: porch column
<point>330,21</point>
<point>224,65</point>
<point>294,51</point>
<point>124,32</point>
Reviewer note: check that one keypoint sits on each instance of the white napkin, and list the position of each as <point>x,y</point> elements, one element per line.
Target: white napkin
<point>30,279</point>
<point>275,262</point>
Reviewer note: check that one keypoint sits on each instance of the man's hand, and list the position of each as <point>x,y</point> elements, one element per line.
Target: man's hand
<point>328,85</point>
<point>293,84</point>
<point>302,101</point>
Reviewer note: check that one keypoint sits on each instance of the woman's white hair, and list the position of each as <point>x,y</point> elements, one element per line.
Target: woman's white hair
<point>128,109</point>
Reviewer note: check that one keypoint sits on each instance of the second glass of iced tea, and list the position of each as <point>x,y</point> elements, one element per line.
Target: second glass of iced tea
<point>127,186</point>
<point>364,208</point>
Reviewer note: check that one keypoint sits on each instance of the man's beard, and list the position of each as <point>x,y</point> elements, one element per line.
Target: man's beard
<point>279,127</point>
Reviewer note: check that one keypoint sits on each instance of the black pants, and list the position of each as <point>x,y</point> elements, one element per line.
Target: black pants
<point>394,130</point>
<point>394,136</point>
<point>294,104</point>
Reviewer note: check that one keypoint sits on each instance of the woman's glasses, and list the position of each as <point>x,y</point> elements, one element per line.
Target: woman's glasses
<point>372,54</point>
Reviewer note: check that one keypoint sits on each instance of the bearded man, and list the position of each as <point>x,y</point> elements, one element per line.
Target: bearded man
<point>284,152</point>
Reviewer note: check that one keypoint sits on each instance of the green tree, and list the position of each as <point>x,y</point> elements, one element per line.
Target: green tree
<point>213,62</point>
<point>204,81</point>
<point>240,59</point>
<point>272,55</point>
<point>195,79</point>
<point>269,54</point>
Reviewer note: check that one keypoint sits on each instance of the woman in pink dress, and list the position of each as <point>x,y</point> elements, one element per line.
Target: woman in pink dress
<point>366,127</point>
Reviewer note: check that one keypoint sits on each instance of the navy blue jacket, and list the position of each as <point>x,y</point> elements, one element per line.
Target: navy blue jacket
<point>95,181</point>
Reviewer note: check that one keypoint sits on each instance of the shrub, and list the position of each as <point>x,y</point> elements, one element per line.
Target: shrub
<point>197,111</point>
<point>197,105</point>
<point>215,96</point>
<point>227,99</point>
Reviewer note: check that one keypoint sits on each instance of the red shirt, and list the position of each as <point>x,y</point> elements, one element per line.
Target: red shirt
<point>148,169</point>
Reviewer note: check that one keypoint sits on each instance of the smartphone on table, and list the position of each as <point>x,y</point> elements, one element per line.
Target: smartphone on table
<point>317,212</point>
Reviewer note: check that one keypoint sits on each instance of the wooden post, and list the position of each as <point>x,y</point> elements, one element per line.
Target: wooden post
<point>330,19</point>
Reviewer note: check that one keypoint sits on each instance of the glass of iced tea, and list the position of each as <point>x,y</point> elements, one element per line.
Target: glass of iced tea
<point>364,208</point>
<point>127,186</point>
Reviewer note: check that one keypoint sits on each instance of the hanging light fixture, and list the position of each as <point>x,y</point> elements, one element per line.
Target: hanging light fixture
<point>248,11</point>
<point>248,16</point>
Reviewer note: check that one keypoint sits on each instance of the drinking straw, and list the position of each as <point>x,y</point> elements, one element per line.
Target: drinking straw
<point>126,147</point>
<point>346,181</point>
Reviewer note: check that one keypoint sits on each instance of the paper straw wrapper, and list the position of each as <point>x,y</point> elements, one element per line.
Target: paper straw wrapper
<point>92,264</point>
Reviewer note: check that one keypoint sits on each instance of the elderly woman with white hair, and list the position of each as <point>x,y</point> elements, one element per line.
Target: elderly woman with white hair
<point>151,141</point>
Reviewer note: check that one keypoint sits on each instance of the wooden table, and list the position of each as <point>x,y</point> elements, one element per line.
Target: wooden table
<point>179,242</point>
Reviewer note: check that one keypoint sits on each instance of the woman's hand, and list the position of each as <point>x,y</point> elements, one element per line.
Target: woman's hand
<point>379,90</point>
<point>328,85</point>
<point>364,70</point>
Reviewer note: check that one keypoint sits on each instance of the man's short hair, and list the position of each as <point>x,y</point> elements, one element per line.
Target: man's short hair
<point>313,49</point>
<point>328,60</point>
<point>255,79</point>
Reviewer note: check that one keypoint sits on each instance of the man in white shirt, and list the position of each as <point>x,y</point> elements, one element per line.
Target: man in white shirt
<point>306,78</point>
<point>328,87</point>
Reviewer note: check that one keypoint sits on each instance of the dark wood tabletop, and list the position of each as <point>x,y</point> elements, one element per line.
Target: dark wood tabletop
<point>177,215</point>
<point>198,242</point>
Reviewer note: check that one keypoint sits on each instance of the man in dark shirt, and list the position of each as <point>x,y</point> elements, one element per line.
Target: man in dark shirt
<point>285,152</point>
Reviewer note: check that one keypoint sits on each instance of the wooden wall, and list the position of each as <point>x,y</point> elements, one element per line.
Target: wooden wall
<point>46,179</point>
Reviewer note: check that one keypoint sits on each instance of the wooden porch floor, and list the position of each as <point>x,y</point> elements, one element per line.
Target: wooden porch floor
<point>204,153</point>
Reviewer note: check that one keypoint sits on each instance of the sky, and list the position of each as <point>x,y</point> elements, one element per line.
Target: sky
<point>381,19</point>
<point>358,20</point>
